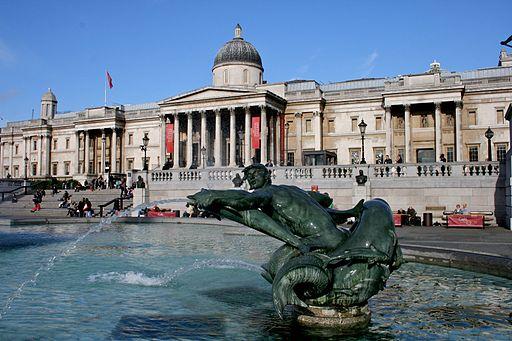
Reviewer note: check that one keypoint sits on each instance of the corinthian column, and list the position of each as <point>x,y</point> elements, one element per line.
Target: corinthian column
<point>298,136</point>
<point>277,161</point>
<point>232,137</point>
<point>389,132</point>
<point>176,156</point>
<point>407,114</point>
<point>77,152</point>
<point>40,156</point>
<point>263,136</point>
<point>438,130</point>
<point>216,152</point>
<point>203,140</point>
<point>113,147</point>
<point>190,139</point>
<point>86,153</point>
<point>458,132</point>
<point>103,151</point>
<point>317,117</point>
<point>247,136</point>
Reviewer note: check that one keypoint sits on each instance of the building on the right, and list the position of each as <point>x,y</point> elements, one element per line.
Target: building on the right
<point>418,118</point>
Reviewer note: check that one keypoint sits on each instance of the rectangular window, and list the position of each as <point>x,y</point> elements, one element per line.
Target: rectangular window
<point>472,117</point>
<point>499,116</point>
<point>378,123</point>
<point>354,155</point>
<point>66,167</point>
<point>34,145</point>
<point>290,159</point>
<point>449,154</point>
<point>130,139</point>
<point>331,128</point>
<point>54,147</point>
<point>67,143</point>
<point>308,126</point>
<point>129,164</point>
<point>473,153</point>
<point>354,124</point>
<point>16,149</point>
<point>34,168</point>
<point>501,152</point>
<point>378,154</point>
<point>54,168</point>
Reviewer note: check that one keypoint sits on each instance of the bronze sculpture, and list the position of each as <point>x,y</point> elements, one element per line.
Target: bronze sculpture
<point>330,271</point>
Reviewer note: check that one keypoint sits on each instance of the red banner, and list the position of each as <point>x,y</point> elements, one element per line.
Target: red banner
<point>462,220</point>
<point>255,132</point>
<point>397,219</point>
<point>169,137</point>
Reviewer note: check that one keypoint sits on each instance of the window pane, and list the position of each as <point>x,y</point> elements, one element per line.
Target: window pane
<point>501,152</point>
<point>473,153</point>
<point>449,154</point>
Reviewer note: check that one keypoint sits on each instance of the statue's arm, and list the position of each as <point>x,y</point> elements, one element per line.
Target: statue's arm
<point>236,199</point>
<point>340,217</point>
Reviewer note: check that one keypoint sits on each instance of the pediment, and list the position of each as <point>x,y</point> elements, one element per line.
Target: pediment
<point>209,93</point>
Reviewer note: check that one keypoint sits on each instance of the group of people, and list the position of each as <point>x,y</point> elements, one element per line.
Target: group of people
<point>461,209</point>
<point>83,208</point>
<point>410,217</point>
<point>37,200</point>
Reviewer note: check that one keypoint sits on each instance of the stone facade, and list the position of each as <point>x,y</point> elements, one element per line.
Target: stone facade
<point>416,116</point>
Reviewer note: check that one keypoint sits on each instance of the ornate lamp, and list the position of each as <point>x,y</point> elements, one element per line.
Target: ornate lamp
<point>362,129</point>
<point>489,134</point>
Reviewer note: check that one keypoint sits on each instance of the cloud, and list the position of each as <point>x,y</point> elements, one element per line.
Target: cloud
<point>369,64</point>
<point>6,54</point>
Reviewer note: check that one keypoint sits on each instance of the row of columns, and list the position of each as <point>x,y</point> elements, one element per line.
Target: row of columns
<point>86,157</point>
<point>217,147</point>
<point>438,133</point>
<point>43,159</point>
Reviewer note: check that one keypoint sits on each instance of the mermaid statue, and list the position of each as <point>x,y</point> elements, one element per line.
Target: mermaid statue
<point>325,270</point>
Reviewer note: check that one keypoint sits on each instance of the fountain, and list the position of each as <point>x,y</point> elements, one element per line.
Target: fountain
<point>329,272</point>
<point>200,279</point>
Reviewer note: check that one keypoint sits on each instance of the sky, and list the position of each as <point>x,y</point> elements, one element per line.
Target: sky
<point>155,49</point>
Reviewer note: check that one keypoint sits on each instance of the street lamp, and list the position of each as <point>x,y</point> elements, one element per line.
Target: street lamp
<point>362,130</point>
<point>287,128</point>
<point>203,155</point>
<point>144,148</point>
<point>26,167</point>
<point>241,145</point>
<point>489,134</point>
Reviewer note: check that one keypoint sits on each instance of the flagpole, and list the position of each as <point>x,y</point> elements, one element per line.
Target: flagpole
<point>105,87</point>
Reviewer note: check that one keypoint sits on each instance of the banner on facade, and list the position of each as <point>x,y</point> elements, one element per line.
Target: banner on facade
<point>463,220</point>
<point>169,137</point>
<point>255,132</point>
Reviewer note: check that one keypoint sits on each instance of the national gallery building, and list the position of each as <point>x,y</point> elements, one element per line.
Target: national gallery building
<point>241,119</point>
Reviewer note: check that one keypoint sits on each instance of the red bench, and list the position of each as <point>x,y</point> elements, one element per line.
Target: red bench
<point>163,214</point>
<point>466,220</point>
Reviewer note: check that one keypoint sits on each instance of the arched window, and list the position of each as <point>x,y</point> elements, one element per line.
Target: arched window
<point>226,76</point>
<point>261,78</point>
<point>246,76</point>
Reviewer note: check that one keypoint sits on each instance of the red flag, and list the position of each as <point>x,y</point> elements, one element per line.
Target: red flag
<point>109,80</point>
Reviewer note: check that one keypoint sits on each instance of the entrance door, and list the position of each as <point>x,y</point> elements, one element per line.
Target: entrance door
<point>426,155</point>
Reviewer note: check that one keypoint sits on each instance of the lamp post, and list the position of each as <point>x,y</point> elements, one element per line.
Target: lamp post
<point>287,129</point>
<point>26,167</point>
<point>362,130</point>
<point>241,146</point>
<point>144,148</point>
<point>203,155</point>
<point>489,134</point>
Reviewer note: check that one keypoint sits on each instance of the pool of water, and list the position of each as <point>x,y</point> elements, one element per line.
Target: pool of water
<point>196,282</point>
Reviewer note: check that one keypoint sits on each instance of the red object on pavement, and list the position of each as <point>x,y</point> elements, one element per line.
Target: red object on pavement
<point>165,214</point>
<point>397,218</point>
<point>464,220</point>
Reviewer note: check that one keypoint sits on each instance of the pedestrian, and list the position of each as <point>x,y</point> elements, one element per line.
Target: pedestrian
<point>388,160</point>
<point>442,158</point>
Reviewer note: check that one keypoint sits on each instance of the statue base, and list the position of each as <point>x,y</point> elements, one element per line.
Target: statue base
<point>352,318</point>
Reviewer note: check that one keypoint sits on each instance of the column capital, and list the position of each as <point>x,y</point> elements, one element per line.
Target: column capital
<point>202,111</point>
<point>407,106</point>
<point>458,104</point>
<point>263,107</point>
<point>231,110</point>
<point>216,111</point>
<point>317,113</point>
<point>437,105</point>
<point>387,108</point>
<point>298,115</point>
<point>247,108</point>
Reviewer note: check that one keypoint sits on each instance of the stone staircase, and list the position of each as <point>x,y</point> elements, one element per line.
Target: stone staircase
<point>50,205</point>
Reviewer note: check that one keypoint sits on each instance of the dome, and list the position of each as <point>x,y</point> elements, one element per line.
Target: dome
<point>49,96</point>
<point>237,51</point>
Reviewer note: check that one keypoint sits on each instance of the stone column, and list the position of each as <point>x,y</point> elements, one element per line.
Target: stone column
<point>218,136</point>
<point>2,160</point>
<point>113,147</point>
<point>389,132</point>
<point>176,156</point>
<point>190,139</point>
<point>271,132</point>
<point>438,130</point>
<point>103,152</point>
<point>458,132</point>
<point>11,155</point>
<point>298,136</point>
<point>77,151</point>
<point>278,138</point>
<point>40,156</point>
<point>317,119</point>
<point>263,136</point>
<point>407,114</point>
<point>247,137</point>
<point>86,152</point>
<point>232,137</point>
<point>48,154</point>
<point>163,137</point>
<point>203,140</point>
<point>25,156</point>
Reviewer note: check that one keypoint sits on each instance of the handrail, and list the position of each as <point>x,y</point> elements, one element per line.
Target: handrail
<point>14,190</point>
<point>101,206</point>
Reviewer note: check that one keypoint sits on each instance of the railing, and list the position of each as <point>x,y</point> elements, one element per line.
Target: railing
<point>24,188</point>
<point>339,172</point>
<point>102,206</point>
